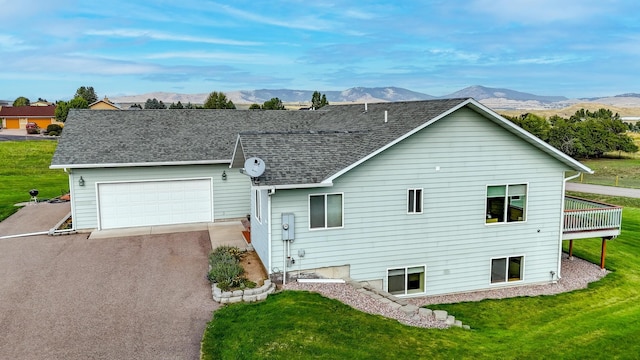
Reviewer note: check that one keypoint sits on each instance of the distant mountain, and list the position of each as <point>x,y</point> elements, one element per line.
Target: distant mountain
<point>357,94</point>
<point>481,93</point>
<point>495,98</point>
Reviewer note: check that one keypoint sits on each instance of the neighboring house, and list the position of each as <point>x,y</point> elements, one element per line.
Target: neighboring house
<point>104,104</point>
<point>417,198</point>
<point>17,117</point>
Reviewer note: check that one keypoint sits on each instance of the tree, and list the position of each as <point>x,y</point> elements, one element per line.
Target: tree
<point>255,107</point>
<point>218,100</point>
<point>21,101</point>
<point>63,107</point>
<point>176,106</point>
<point>87,93</point>
<point>536,125</point>
<point>318,100</point>
<point>190,106</point>
<point>135,106</point>
<point>154,104</point>
<point>273,104</point>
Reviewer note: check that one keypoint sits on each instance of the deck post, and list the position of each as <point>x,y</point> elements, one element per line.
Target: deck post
<point>603,253</point>
<point>571,249</point>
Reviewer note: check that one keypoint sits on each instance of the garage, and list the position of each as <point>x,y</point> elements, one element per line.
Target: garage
<point>149,203</point>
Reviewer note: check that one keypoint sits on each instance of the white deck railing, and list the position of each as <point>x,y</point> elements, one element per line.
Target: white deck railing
<point>586,215</point>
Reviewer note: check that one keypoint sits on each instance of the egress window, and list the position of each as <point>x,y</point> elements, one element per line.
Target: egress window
<point>506,203</point>
<point>507,269</point>
<point>406,281</point>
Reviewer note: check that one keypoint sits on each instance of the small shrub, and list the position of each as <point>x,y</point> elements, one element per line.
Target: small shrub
<point>54,127</point>
<point>226,270</point>
<point>53,133</point>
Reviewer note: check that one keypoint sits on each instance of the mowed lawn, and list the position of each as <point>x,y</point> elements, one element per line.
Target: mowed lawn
<point>24,165</point>
<point>600,322</point>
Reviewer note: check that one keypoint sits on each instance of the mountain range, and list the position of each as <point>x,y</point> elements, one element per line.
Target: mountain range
<point>496,98</point>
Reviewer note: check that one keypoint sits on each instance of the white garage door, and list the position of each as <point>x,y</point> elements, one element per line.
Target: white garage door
<point>151,203</point>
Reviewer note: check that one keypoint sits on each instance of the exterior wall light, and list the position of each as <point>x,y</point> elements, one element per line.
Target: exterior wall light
<point>81,181</point>
<point>224,175</point>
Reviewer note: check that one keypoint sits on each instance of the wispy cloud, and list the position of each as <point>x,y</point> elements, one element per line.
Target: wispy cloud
<point>303,22</point>
<point>162,36</point>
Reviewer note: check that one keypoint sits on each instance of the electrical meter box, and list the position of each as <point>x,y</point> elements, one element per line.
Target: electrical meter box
<point>288,228</point>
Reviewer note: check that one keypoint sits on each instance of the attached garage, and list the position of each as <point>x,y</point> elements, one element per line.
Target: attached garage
<point>150,203</point>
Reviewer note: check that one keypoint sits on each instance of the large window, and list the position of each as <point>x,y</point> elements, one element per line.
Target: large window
<point>414,201</point>
<point>325,211</point>
<point>506,203</point>
<point>406,281</point>
<point>507,269</point>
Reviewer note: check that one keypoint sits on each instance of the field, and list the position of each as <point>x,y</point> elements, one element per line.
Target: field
<point>25,166</point>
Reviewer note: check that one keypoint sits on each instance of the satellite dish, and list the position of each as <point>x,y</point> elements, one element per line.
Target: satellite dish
<point>254,167</point>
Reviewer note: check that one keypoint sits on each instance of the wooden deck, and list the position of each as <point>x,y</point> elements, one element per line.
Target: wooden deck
<point>589,219</point>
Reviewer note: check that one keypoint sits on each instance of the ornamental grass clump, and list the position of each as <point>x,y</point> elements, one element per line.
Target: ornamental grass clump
<point>225,269</point>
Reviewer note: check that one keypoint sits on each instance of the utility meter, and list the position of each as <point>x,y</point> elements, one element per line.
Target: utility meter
<point>288,221</point>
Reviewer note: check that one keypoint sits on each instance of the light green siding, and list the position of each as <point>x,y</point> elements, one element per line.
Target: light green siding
<point>260,229</point>
<point>453,161</point>
<point>231,197</point>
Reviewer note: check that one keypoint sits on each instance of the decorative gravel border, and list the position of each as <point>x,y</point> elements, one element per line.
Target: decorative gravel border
<point>576,274</point>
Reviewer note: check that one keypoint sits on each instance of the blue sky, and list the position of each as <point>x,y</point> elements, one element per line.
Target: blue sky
<point>547,47</point>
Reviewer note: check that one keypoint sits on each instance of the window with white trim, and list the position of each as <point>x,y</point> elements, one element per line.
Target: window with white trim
<point>414,201</point>
<point>258,206</point>
<point>406,281</point>
<point>506,203</point>
<point>507,269</point>
<point>325,211</point>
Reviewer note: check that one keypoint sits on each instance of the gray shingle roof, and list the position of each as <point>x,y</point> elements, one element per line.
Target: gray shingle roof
<point>298,147</point>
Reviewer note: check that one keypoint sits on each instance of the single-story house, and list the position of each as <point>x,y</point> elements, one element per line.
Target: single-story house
<point>417,198</point>
<point>17,117</point>
<point>104,104</point>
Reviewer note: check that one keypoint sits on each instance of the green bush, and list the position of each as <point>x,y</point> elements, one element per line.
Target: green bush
<point>54,128</point>
<point>226,270</point>
<point>53,133</point>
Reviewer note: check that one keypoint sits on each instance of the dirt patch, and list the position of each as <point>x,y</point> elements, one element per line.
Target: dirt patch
<point>253,268</point>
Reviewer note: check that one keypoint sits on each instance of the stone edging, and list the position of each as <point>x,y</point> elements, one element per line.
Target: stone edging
<point>404,305</point>
<point>246,295</point>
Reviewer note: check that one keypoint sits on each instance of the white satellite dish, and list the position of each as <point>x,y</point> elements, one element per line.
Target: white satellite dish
<point>254,167</point>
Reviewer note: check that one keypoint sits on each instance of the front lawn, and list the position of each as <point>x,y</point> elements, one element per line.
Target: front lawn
<point>25,166</point>
<point>601,322</point>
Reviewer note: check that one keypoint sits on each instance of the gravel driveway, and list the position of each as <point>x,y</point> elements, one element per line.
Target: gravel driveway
<point>67,297</point>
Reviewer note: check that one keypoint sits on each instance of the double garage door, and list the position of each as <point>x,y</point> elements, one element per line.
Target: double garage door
<point>149,203</point>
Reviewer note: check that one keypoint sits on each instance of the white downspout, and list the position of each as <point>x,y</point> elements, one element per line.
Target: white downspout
<point>564,186</point>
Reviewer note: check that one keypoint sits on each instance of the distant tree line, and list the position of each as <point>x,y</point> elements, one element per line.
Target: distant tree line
<point>585,134</point>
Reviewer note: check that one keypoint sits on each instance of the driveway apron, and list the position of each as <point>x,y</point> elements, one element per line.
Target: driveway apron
<point>69,297</point>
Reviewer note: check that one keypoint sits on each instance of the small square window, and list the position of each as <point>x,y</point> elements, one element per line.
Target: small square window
<point>506,203</point>
<point>507,269</point>
<point>405,281</point>
<point>325,211</point>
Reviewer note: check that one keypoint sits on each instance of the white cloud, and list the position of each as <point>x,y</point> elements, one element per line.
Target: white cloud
<point>541,11</point>
<point>157,35</point>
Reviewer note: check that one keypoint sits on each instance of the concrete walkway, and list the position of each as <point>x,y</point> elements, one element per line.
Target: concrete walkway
<point>220,233</point>
<point>34,218</point>
<point>603,190</point>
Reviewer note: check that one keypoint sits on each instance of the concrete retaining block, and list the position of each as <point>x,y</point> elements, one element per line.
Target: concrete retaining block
<point>457,323</point>
<point>440,315</point>
<point>450,320</point>
<point>409,309</point>
<point>425,312</point>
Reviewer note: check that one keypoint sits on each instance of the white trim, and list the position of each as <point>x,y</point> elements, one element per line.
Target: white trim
<point>414,203</point>
<point>303,186</point>
<point>325,211</point>
<point>97,192</point>
<point>506,185</point>
<point>143,164</point>
<point>386,279</point>
<point>522,265</point>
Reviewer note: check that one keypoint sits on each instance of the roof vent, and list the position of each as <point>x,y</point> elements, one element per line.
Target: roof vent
<point>365,107</point>
<point>385,116</point>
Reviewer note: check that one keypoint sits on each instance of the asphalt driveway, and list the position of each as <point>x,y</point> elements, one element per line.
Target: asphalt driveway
<point>69,297</point>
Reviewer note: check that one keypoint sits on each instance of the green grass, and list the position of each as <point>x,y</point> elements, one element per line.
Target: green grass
<point>24,166</point>
<point>600,322</point>
<point>627,172</point>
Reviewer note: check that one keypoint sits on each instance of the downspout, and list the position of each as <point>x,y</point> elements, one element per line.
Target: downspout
<point>269,193</point>
<point>71,195</point>
<point>564,186</point>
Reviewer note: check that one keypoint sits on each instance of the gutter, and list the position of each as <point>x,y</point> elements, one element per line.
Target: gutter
<point>558,275</point>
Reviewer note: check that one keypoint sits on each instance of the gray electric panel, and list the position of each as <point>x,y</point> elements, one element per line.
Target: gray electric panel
<point>288,227</point>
